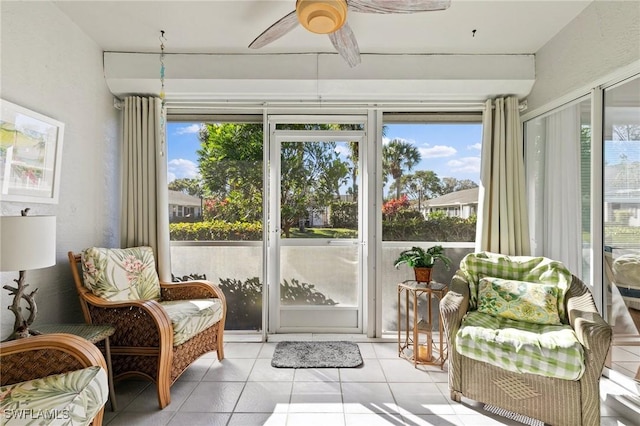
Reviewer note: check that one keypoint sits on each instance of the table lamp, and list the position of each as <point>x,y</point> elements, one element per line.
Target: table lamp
<point>26,242</point>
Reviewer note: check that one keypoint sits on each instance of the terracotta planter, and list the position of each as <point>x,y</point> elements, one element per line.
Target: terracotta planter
<point>423,274</point>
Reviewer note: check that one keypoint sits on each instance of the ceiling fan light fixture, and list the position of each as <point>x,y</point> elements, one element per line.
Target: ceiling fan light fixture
<point>322,16</point>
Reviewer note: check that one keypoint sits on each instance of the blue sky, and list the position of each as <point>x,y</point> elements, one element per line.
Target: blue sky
<point>182,144</point>
<point>449,150</point>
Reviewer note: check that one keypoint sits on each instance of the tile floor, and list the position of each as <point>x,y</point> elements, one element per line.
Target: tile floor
<point>244,390</point>
<point>626,360</point>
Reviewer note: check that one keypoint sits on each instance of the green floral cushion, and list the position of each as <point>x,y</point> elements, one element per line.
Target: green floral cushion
<point>523,268</point>
<point>190,317</point>
<point>72,398</point>
<point>121,274</point>
<point>519,300</point>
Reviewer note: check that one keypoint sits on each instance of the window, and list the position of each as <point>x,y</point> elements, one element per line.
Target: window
<point>431,174</point>
<point>558,175</point>
<point>621,215</point>
<point>215,174</point>
<point>431,171</point>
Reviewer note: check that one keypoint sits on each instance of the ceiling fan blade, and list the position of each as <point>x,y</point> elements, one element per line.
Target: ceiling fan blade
<point>275,31</point>
<point>346,44</point>
<point>397,6</point>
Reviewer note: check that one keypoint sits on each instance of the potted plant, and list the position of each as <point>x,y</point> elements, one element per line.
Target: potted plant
<point>422,261</point>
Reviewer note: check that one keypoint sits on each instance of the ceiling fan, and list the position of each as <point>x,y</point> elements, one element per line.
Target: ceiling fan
<point>330,17</point>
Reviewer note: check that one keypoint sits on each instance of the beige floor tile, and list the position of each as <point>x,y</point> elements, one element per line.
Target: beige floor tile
<point>370,371</point>
<point>200,419</point>
<point>244,390</point>
<point>229,370</point>
<point>263,372</point>
<point>265,397</point>
<point>213,397</point>
<point>258,419</point>
<point>315,419</point>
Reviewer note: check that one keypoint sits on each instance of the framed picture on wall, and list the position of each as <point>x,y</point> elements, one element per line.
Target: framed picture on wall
<point>30,155</point>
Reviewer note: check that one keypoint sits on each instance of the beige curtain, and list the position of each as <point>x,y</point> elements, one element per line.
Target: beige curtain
<point>502,215</point>
<point>145,211</point>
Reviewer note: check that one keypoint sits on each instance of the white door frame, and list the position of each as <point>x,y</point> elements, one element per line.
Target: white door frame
<point>342,319</point>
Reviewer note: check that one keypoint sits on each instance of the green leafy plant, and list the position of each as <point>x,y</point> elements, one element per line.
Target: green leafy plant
<point>417,257</point>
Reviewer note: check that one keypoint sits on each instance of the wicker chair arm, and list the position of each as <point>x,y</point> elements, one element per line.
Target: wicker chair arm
<point>454,306</point>
<point>190,290</point>
<point>136,322</point>
<point>460,285</point>
<point>592,330</point>
<point>45,355</point>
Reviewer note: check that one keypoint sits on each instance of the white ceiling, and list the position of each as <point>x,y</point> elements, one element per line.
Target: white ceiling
<point>218,26</point>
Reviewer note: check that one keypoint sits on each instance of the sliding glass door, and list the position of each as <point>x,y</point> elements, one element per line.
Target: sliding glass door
<point>621,216</point>
<point>583,188</point>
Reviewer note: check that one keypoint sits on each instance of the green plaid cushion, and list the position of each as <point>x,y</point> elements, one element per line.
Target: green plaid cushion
<point>523,268</point>
<point>521,347</point>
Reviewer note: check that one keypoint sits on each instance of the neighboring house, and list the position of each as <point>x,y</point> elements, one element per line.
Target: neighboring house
<point>455,204</point>
<point>321,216</point>
<point>622,194</point>
<point>622,207</point>
<point>184,207</point>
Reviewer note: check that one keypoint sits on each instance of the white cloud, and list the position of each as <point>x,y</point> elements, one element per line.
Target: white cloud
<point>194,128</point>
<point>465,165</point>
<point>437,151</point>
<point>180,168</point>
<point>477,146</point>
<point>386,140</point>
<point>343,150</point>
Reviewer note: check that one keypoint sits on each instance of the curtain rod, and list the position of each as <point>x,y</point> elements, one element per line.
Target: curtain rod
<point>396,105</point>
<point>453,106</point>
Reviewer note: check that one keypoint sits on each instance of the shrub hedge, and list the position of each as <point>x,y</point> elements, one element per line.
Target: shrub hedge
<point>216,230</point>
<point>403,227</point>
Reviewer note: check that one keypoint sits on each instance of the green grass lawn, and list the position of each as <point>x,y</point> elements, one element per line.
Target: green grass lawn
<point>324,233</point>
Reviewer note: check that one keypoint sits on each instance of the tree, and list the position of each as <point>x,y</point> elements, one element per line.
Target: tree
<point>310,177</point>
<point>231,158</point>
<point>421,185</point>
<point>450,184</point>
<point>626,132</point>
<point>230,162</point>
<point>188,186</point>
<point>398,156</point>
<point>354,158</point>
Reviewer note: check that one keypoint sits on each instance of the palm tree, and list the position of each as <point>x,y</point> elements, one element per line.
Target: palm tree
<point>354,156</point>
<point>397,157</point>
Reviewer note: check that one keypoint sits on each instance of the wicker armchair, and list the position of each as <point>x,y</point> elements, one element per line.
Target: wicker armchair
<point>143,345</point>
<point>43,357</point>
<point>551,400</point>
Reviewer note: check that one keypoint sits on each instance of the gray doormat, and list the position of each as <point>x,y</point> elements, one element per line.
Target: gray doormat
<point>316,355</point>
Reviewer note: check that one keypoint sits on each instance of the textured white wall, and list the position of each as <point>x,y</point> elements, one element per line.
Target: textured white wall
<point>48,65</point>
<point>602,39</point>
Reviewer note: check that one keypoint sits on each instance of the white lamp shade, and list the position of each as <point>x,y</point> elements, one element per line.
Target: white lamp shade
<point>27,242</point>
